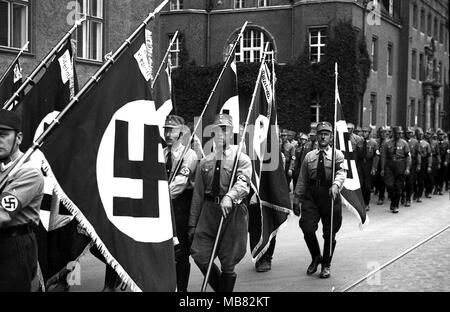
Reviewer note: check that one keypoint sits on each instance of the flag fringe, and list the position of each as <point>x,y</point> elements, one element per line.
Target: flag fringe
<point>90,231</point>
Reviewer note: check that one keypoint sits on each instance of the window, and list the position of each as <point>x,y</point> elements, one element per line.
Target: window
<point>422,20</point>
<point>239,4</point>
<point>414,64</point>
<point>390,58</point>
<point>90,34</point>
<point>439,73</point>
<point>373,109</point>
<point>174,52</point>
<point>391,7</point>
<point>317,44</point>
<point>374,53</point>
<point>263,3</point>
<point>14,20</point>
<point>251,46</point>
<point>435,28</point>
<point>421,67</point>
<point>411,117</point>
<point>441,33</point>
<point>388,110</point>
<point>315,112</point>
<point>414,16</point>
<point>429,25</point>
<point>176,5</point>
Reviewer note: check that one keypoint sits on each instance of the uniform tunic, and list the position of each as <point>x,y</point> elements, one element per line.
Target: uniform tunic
<point>206,213</point>
<point>20,202</point>
<point>416,160</point>
<point>425,179</point>
<point>367,158</point>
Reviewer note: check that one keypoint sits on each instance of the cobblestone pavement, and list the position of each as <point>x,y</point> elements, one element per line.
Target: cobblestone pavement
<point>426,268</point>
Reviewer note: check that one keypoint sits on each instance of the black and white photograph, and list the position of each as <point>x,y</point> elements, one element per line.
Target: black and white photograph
<point>210,147</point>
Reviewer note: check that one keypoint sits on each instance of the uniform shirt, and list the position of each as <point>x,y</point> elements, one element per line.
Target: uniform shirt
<point>185,175</point>
<point>425,152</point>
<point>396,150</point>
<point>372,152</point>
<point>414,147</point>
<point>435,152</point>
<point>444,149</point>
<point>308,171</point>
<point>355,139</point>
<point>205,175</point>
<point>20,199</point>
<point>289,152</point>
<point>300,153</point>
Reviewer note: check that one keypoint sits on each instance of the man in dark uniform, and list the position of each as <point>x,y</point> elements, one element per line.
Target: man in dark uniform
<point>425,167</point>
<point>289,152</point>
<point>380,185</point>
<point>181,190</point>
<point>213,199</point>
<point>436,162</point>
<point>316,188</point>
<point>354,138</point>
<point>367,158</point>
<point>395,164</point>
<point>300,153</point>
<point>442,173</point>
<point>411,186</point>
<point>20,201</point>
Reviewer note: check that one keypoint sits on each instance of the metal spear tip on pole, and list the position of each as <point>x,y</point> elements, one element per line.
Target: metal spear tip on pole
<point>82,19</point>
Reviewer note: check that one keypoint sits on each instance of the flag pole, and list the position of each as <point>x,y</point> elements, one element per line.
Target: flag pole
<point>92,81</point>
<point>10,103</point>
<point>236,161</point>
<point>334,151</point>
<point>15,60</point>
<point>165,58</point>
<point>186,148</point>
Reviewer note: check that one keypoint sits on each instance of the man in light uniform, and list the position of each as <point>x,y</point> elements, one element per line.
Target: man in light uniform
<point>213,199</point>
<point>316,188</point>
<point>181,189</point>
<point>20,201</point>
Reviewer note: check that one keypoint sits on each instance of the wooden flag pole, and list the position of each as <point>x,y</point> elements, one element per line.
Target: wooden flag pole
<point>236,162</point>
<point>14,61</point>
<point>334,153</point>
<point>164,58</point>
<point>10,103</point>
<point>186,148</point>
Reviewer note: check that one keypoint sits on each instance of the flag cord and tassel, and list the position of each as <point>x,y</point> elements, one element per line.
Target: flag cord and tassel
<point>334,154</point>
<point>10,103</point>
<point>186,148</point>
<point>172,42</point>
<point>15,60</point>
<point>236,162</point>
<point>94,79</point>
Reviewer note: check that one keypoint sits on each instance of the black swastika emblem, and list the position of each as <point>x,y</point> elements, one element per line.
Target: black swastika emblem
<point>10,203</point>
<point>349,156</point>
<point>150,171</point>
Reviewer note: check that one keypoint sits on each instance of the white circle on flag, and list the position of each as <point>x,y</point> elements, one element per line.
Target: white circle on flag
<point>144,229</point>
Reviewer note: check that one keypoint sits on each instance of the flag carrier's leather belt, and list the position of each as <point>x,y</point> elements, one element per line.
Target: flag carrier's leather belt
<point>16,231</point>
<point>318,183</point>
<point>215,199</point>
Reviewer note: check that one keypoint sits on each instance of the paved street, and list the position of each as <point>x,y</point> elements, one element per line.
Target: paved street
<point>357,253</point>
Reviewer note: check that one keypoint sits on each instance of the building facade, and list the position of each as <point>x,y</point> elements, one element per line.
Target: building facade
<point>397,43</point>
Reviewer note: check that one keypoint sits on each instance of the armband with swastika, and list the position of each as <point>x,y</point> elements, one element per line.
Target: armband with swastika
<point>185,172</point>
<point>10,203</point>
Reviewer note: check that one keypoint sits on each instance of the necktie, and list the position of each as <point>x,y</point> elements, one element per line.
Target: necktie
<point>364,149</point>
<point>215,190</point>
<point>321,168</point>
<point>169,163</point>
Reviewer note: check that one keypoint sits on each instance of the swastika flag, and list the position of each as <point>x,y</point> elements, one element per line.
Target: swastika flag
<point>107,157</point>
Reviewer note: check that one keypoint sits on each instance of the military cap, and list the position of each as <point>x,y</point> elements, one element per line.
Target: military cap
<point>223,120</point>
<point>324,126</point>
<point>397,129</point>
<point>10,120</point>
<point>440,132</point>
<point>429,131</point>
<point>291,133</point>
<point>419,130</point>
<point>366,128</point>
<point>314,125</point>
<point>359,128</point>
<point>304,137</point>
<point>410,130</point>
<point>284,132</point>
<point>173,121</point>
<point>350,126</point>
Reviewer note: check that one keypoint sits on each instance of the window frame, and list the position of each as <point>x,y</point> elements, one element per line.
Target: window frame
<point>415,16</point>
<point>373,109</point>
<point>175,49</point>
<point>86,29</point>
<point>388,112</point>
<point>374,53</point>
<point>255,52</point>
<point>28,4</point>
<point>422,21</point>
<point>414,64</point>
<point>390,59</point>
<point>421,66</point>
<point>176,5</point>
<point>319,45</point>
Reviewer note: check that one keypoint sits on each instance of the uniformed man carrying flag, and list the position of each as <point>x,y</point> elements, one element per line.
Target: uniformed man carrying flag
<point>316,189</point>
<point>181,189</point>
<point>212,199</point>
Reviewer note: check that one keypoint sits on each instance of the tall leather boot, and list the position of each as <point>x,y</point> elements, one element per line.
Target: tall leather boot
<point>227,281</point>
<point>183,272</point>
<point>314,250</point>
<point>327,257</point>
<point>214,277</point>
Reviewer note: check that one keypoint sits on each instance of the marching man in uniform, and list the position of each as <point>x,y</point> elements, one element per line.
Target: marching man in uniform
<point>316,188</point>
<point>181,190</point>
<point>20,202</point>
<point>213,199</point>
